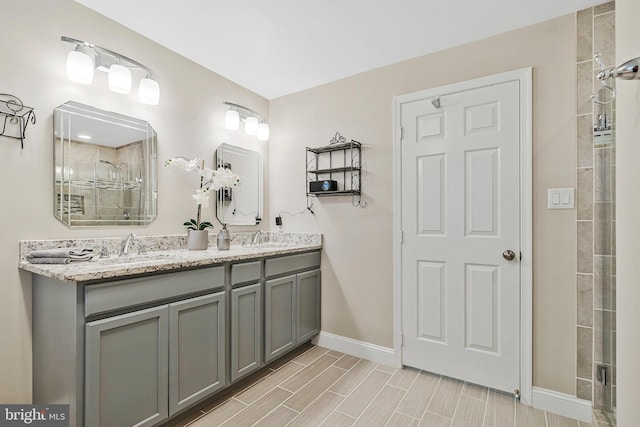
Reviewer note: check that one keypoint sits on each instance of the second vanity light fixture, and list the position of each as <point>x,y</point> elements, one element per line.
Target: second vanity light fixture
<point>87,57</point>
<point>254,123</point>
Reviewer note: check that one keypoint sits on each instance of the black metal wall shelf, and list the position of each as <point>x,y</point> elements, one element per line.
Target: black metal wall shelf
<point>339,161</point>
<point>332,193</point>
<point>14,117</point>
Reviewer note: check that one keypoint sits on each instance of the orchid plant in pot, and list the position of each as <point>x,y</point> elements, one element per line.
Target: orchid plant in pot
<point>210,180</point>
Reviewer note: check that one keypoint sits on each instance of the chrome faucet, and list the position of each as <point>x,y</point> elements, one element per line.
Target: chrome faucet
<point>254,239</point>
<point>124,245</point>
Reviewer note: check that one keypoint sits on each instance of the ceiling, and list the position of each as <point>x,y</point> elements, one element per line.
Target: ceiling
<point>278,47</point>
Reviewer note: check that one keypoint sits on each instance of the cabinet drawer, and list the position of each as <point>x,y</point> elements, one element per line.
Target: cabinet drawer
<point>105,297</point>
<point>287,264</point>
<point>245,272</point>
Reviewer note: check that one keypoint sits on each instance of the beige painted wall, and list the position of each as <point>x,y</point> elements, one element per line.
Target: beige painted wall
<point>628,205</point>
<point>357,264</point>
<point>189,122</point>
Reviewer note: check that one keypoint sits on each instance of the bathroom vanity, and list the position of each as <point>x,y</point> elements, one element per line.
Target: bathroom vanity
<point>139,341</point>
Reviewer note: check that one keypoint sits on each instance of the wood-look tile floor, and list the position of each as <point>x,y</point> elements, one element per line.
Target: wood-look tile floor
<point>322,387</point>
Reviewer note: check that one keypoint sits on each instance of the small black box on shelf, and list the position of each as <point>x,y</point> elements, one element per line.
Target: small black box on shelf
<point>321,186</point>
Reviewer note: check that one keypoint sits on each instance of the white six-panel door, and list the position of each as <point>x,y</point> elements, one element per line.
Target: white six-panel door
<point>460,212</point>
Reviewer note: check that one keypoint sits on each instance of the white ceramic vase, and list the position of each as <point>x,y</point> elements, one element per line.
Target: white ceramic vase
<point>197,240</point>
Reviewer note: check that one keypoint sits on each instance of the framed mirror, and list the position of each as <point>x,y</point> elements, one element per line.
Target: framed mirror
<point>105,167</point>
<point>241,205</point>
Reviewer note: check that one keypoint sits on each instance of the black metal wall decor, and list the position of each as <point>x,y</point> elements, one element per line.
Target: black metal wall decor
<point>14,117</point>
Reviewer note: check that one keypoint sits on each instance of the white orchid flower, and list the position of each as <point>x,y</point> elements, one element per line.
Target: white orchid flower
<point>207,173</point>
<point>190,165</point>
<point>220,178</point>
<point>202,197</point>
<point>193,165</point>
<point>227,177</point>
<point>214,180</point>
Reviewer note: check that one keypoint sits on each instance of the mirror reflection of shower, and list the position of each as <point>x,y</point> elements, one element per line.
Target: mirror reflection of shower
<point>116,177</point>
<point>115,174</point>
<point>105,172</point>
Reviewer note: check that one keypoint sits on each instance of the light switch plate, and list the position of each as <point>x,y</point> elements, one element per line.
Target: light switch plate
<point>560,198</point>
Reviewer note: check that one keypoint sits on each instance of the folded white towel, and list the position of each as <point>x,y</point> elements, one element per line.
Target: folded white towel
<point>58,260</point>
<point>74,253</point>
<point>60,255</point>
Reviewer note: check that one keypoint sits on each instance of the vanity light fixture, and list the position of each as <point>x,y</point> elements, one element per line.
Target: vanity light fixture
<point>119,79</point>
<point>149,91</point>
<point>86,57</point>
<point>254,123</point>
<point>232,120</point>
<point>80,66</point>
<point>251,126</point>
<point>263,132</point>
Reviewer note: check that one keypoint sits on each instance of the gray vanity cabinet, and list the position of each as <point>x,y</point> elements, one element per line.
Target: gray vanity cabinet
<point>145,366</point>
<point>292,302</point>
<point>279,316</point>
<point>141,350</point>
<point>246,330</point>
<point>133,351</point>
<point>126,369</point>
<point>307,305</point>
<point>196,349</point>
<point>246,318</point>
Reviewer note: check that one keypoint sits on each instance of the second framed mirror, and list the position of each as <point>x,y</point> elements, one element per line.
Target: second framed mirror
<point>241,205</point>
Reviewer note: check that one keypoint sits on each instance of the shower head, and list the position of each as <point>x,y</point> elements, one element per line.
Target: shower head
<point>628,70</point>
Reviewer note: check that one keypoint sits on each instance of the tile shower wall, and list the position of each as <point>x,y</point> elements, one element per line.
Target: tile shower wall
<point>595,209</point>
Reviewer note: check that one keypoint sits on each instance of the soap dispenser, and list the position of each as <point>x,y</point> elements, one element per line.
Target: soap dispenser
<point>224,239</point>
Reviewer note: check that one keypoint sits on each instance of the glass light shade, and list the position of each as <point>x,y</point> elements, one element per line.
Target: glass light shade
<point>119,79</point>
<point>232,120</point>
<point>80,67</point>
<point>149,91</point>
<point>263,132</point>
<point>251,125</point>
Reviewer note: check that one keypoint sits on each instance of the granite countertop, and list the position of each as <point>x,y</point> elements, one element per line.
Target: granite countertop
<point>164,254</point>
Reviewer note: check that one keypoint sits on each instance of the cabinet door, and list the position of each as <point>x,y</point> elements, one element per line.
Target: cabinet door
<point>196,349</point>
<point>126,369</point>
<point>308,305</point>
<point>246,330</point>
<point>279,312</point>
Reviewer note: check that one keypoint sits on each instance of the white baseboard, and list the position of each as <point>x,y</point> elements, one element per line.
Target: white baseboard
<point>562,404</point>
<point>361,349</point>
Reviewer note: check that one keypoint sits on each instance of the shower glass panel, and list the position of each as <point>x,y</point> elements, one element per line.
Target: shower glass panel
<point>604,255</point>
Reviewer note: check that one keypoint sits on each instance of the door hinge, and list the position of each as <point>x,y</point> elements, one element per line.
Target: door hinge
<point>402,340</point>
<point>401,236</point>
<point>520,256</point>
<point>401,133</point>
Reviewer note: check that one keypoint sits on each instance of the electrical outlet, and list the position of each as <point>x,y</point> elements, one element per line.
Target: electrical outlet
<point>278,220</point>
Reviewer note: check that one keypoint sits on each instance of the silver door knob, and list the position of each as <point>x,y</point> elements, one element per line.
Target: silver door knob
<point>508,255</point>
